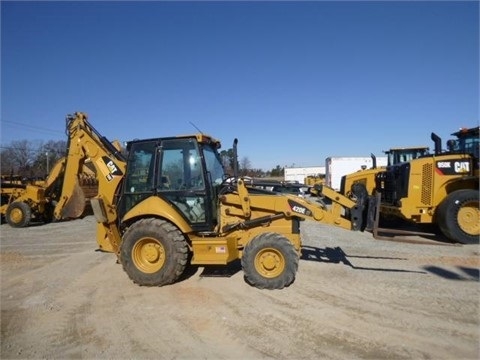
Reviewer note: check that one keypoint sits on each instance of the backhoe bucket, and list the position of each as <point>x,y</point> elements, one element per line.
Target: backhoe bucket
<point>75,205</point>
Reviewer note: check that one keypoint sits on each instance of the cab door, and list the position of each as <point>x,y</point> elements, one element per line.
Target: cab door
<point>181,179</point>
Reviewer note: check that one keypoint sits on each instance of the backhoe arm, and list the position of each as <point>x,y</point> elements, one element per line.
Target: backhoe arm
<point>84,142</point>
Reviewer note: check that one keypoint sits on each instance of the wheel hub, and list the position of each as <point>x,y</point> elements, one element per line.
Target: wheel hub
<point>148,255</point>
<point>151,252</point>
<point>469,219</point>
<point>16,215</point>
<point>270,263</point>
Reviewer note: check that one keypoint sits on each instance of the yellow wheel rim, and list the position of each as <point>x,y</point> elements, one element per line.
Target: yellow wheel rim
<point>469,218</point>
<point>16,215</point>
<point>269,262</point>
<point>148,255</point>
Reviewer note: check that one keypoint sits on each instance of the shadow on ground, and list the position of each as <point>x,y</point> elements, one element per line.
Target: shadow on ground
<point>337,256</point>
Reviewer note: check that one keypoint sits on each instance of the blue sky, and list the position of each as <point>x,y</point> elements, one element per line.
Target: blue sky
<point>295,82</point>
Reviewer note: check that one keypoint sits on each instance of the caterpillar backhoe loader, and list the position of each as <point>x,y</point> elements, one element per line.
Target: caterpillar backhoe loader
<point>441,189</point>
<point>24,203</point>
<point>168,204</point>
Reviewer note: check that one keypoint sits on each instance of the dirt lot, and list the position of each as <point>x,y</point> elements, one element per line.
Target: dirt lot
<point>354,298</point>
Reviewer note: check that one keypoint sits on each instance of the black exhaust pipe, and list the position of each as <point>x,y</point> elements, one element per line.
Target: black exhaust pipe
<point>438,143</point>
<point>235,158</point>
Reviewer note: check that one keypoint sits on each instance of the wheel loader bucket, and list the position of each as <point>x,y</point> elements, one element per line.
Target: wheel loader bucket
<point>75,205</point>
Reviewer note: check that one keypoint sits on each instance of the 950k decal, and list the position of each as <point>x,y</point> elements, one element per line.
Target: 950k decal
<point>453,167</point>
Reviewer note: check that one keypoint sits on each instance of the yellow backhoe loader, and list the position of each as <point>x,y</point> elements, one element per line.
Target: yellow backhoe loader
<point>22,203</point>
<point>169,203</point>
<point>25,202</point>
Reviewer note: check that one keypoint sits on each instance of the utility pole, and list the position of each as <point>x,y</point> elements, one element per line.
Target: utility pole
<point>48,169</point>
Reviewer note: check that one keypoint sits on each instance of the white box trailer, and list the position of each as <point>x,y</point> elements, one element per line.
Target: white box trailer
<point>298,174</point>
<point>336,167</point>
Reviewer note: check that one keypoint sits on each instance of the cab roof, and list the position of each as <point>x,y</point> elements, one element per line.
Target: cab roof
<point>467,132</point>
<point>201,138</point>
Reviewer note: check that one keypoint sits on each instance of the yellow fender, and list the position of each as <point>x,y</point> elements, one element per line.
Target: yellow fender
<point>157,207</point>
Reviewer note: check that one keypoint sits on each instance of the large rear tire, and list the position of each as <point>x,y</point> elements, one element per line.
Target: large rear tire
<point>270,261</point>
<point>153,252</point>
<point>18,214</point>
<point>47,215</point>
<point>458,216</point>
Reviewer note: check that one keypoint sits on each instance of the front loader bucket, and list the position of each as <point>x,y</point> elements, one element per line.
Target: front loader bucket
<point>75,205</point>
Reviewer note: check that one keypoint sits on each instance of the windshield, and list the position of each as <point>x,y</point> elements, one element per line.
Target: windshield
<point>466,145</point>
<point>400,156</point>
<point>213,164</point>
<point>404,156</point>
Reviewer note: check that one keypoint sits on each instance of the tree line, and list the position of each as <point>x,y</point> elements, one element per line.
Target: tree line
<point>34,160</point>
<point>30,159</point>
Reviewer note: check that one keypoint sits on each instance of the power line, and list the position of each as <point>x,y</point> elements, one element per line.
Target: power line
<point>31,149</point>
<point>35,128</point>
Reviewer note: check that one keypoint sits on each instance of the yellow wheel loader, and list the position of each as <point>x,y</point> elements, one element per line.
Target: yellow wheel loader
<point>367,176</point>
<point>169,203</point>
<point>441,189</point>
<point>311,180</point>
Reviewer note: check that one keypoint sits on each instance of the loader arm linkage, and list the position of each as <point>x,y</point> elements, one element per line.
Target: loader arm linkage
<point>343,211</point>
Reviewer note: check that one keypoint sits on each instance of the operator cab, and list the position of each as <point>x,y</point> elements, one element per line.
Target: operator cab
<point>185,171</point>
<point>401,155</point>
<point>467,142</point>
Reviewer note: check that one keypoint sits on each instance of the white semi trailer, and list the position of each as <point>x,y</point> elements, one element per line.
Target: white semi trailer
<point>338,166</point>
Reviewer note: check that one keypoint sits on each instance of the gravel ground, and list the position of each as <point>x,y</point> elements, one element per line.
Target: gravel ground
<point>354,298</point>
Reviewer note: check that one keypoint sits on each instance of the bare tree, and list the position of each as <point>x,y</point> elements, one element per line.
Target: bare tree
<point>47,155</point>
<point>245,166</point>
<point>30,159</point>
<point>228,160</point>
<point>17,158</point>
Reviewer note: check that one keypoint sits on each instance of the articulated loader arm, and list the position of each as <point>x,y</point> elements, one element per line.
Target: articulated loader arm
<point>359,213</point>
<point>84,142</point>
<point>342,212</point>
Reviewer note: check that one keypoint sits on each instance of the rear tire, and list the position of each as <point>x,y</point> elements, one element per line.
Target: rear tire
<point>458,216</point>
<point>270,261</point>
<point>47,215</point>
<point>18,214</point>
<point>153,252</point>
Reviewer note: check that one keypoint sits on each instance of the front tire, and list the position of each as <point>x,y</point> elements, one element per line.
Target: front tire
<point>459,216</point>
<point>153,252</point>
<point>18,214</point>
<point>270,261</point>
